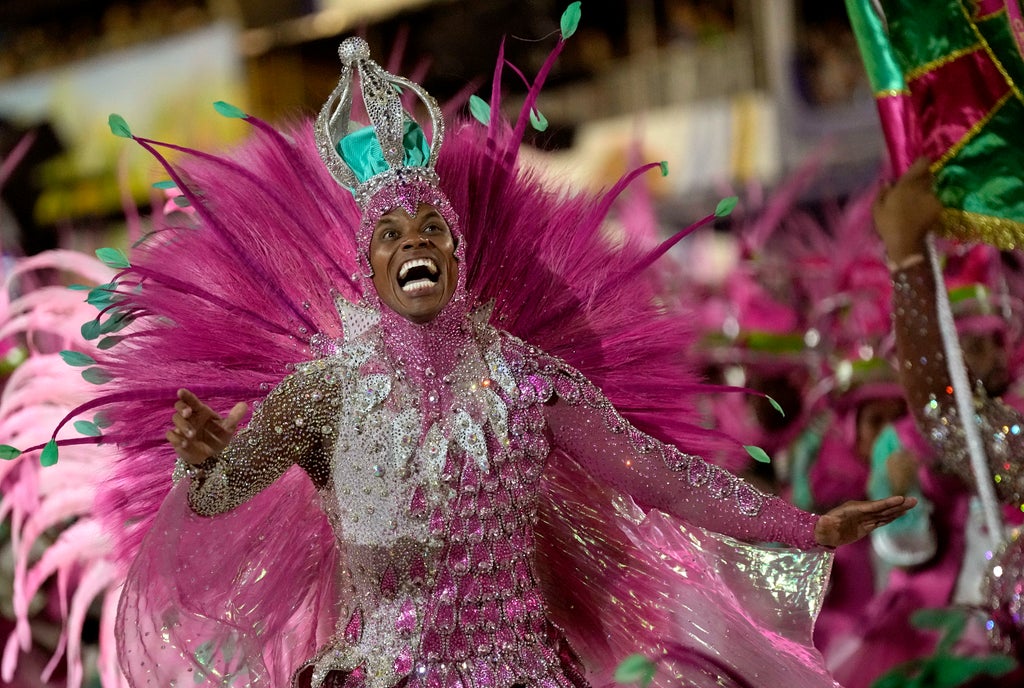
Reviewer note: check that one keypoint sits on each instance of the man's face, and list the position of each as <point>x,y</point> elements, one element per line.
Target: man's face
<point>872,416</point>
<point>988,360</point>
<point>413,262</point>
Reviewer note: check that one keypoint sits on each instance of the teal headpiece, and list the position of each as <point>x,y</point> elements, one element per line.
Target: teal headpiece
<point>394,147</point>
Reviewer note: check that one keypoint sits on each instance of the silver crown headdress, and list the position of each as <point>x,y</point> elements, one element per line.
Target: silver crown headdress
<point>382,99</point>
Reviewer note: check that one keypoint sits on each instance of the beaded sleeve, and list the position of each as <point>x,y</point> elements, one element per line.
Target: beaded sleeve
<point>926,381</point>
<point>585,425</point>
<point>295,424</point>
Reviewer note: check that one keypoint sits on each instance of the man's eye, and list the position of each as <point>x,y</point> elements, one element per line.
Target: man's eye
<point>389,234</point>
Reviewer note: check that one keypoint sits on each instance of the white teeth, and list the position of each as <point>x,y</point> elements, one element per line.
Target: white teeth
<point>416,263</point>
<point>417,285</point>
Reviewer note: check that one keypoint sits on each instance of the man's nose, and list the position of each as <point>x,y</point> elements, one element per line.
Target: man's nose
<point>415,240</point>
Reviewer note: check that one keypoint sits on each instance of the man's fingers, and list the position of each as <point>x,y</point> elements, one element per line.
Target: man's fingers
<point>919,167</point>
<point>235,416</point>
<point>196,408</point>
<point>174,438</point>
<point>183,426</point>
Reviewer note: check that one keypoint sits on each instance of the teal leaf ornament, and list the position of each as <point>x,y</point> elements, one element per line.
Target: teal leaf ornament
<point>7,452</point>
<point>725,206</point>
<point>87,428</point>
<point>116,322</point>
<point>635,669</point>
<point>113,258</point>
<point>77,358</point>
<point>758,454</point>
<point>119,127</point>
<point>664,168</point>
<point>538,121</point>
<point>91,329</point>
<point>108,342</point>
<point>570,20</point>
<point>229,110</point>
<point>104,295</point>
<point>776,406</point>
<point>48,457</point>
<point>165,184</point>
<point>97,376</point>
<point>480,109</point>
<point>102,420</point>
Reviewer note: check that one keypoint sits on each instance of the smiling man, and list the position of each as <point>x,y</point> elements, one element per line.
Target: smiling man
<point>428,434</point>
<point>413,263</point>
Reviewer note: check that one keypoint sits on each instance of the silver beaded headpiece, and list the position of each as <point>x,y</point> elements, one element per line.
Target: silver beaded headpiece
<point>382,98</point>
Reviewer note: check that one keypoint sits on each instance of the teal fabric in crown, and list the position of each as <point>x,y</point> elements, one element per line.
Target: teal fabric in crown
<point>361,150</point>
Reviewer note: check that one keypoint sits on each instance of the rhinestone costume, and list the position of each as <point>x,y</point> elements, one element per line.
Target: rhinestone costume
<point>434,508</point>
<point>923,368</point>
<point>923,371</point>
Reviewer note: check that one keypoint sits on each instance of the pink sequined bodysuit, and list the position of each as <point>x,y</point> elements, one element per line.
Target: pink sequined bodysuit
<point>430,479</point>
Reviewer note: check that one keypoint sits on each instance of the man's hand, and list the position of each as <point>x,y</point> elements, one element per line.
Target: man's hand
<point>851,521</point>
<point>198,431</point>
<point>906,211</point>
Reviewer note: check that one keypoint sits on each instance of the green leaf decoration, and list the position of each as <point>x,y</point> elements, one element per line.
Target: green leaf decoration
<point>115,323</point>
<point>97,376</point>
<point>77,358</point>
<point>951,622</point>
<point>7,452</point>
<point>891,680</point>
<point>570,20</point>
<point>948,671</point>
<point>92,329</point>
<point>143,239</point>
<point>775,405</point>
<point>79,287</point>
<point>181,201</point>
<point>165,184</point>
<point>48,457</point>
<point>102,420</point>
<point>113,257</point>
<point>118,127</point>
<point>104,295</point>
<point>87,428</point>
<point>664,168</point>
<point>229,110</point>
<point>758,454</point>
<point>635,669</point>
<point>725,206</point>
<point>538,121</point>
<point>204,653</point>
<point>108,342</point>
<point>480,109</point>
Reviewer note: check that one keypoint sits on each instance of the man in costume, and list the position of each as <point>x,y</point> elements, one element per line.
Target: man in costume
<point>426,435</point>
<point>938,463</point>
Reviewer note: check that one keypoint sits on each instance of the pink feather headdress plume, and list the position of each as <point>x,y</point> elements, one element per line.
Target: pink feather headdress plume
<point>76,569</point>
<point>227,298</point>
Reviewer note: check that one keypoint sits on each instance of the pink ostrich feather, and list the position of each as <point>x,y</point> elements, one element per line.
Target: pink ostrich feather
<point>38,394</point>
<point>226,298</point>
<point>229,303</point>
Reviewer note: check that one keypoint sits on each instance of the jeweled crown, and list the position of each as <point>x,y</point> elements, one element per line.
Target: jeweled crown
<point>393,148</point>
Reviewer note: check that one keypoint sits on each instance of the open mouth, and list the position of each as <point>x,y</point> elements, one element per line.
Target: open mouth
<point>418,274</point>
